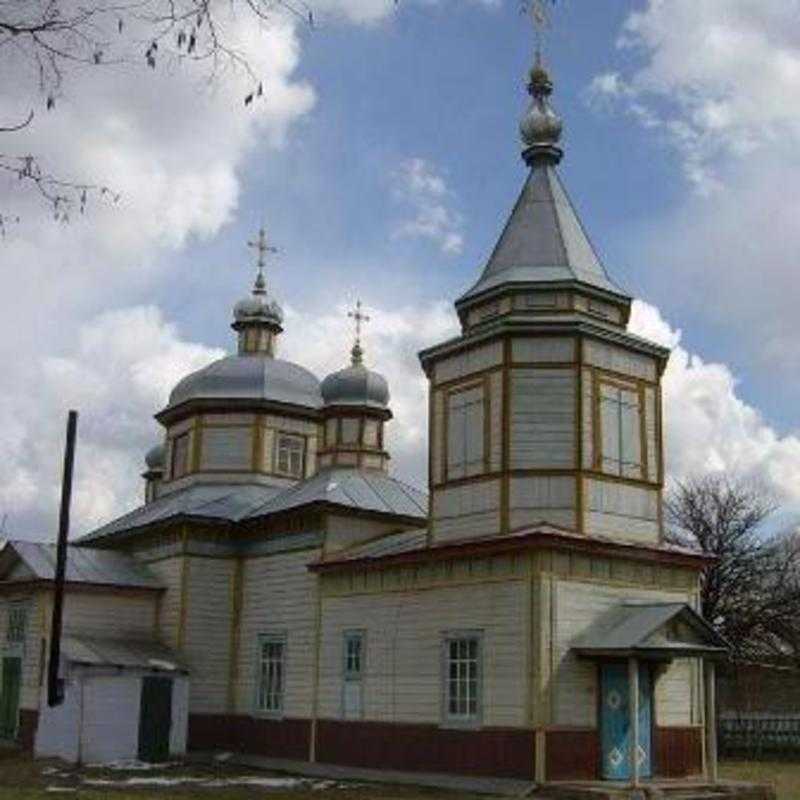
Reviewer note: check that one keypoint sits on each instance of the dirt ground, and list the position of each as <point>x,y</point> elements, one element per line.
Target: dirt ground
<point>22,778</point>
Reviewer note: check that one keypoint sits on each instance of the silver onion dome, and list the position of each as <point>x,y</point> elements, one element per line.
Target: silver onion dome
<point>257,307</point>
<point>247,378</point>
<point>155,458</point>
<point>356,385</point>
<point>541,127</point>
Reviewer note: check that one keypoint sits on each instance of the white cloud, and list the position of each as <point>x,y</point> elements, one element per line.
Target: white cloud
<point>708,427</point>
<point>119,374</point>
<point>423,190</point>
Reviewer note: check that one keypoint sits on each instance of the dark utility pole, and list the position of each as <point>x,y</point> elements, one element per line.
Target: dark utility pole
<point>55,686</point>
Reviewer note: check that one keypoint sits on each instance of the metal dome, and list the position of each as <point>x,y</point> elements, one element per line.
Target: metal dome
<point>356,386</point>
<point>251,378</point>
<point>155,457</point>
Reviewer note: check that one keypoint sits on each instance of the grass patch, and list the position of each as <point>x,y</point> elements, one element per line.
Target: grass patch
<point>783,775</point>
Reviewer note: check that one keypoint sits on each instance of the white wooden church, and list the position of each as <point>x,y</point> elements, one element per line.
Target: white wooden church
<point>280,594</point>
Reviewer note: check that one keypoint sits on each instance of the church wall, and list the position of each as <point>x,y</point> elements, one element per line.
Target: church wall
<point>621,511</point>
<point>345,532</point>
<point>111,615</point>
<point>279,596</point>
<point>207,631</point>
<point>575,606</point>
<point>533,499</point>
<point>468,362</point>
<point>404,638</point>
<point>543,349</point>
<point>31,650</point>
<point>620,360</point>
<point>468,510</point>
<point>543,420</point>
<point>169,572</point>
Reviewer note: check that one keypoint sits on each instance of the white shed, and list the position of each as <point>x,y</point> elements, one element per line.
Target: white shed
<point>124,700</point>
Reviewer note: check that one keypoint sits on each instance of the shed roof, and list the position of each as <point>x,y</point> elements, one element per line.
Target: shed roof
<point>97,567</point>
<point>131,653</point>
<point>651,630</point>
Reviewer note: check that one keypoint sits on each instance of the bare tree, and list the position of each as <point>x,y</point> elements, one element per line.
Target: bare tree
<point>52,38</point>
<point>751,592</point>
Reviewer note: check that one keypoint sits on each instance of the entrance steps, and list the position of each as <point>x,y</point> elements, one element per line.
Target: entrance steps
<point>668,790</point>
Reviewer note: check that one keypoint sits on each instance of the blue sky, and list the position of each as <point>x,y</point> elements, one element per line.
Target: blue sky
<point>384,160</point>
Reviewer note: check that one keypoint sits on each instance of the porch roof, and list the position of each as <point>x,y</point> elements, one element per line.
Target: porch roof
<point>650,630</point>
<point>97,651</point>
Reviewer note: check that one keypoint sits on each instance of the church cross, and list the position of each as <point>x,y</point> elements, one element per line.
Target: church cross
<point>359,317</point>
<point>262,247</point>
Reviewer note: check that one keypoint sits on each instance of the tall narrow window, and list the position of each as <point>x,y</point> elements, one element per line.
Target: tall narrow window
<point>17,620</point>
<point>180,456</point>
<point>353,674</point>
<point>462,690</point>
<point>271,673</point>
<point>620,420</point>
<point>290,454</point>
<point>465,433</point>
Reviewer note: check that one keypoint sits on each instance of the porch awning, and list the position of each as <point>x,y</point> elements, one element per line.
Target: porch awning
<point>121,653</point>
<point>650,631</point>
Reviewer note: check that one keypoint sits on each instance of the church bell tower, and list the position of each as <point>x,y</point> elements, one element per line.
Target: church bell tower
<point>545,409</point>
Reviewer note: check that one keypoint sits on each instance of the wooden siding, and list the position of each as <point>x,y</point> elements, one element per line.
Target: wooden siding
<point>404,630</point>
<point>536,499</point>
<point>278,597</point>
<point>344,532</point>
<point>31,649</point>
<point>542,418</point>
<point>469,362</point>
<point>116,615</point>
<point>587,423</point>
<point>461,512</point>
<point>207,634</point>
<point>620,360</point>
<point>226,448</point>
<point>652,433</point>
<point>495,411</point>
<point>621,511</point>
<point>542,349</point>
<point>575,607</point>
<point>437,436</point>
<point>168,570</point>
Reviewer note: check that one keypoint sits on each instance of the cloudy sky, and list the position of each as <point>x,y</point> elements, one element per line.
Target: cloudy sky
<point>383,159</point>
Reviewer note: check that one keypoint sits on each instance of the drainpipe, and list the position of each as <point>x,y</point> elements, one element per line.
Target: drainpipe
<point>633,710</point>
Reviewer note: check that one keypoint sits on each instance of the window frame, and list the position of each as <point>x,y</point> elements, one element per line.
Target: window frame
<point>352,677</point>
<point>180,437</point>
<point>465,465</point>
<point>19,607</point>
<point>299,437</point>
<point>449,719</point>
<point>638,436</point>
<point>270,637</point>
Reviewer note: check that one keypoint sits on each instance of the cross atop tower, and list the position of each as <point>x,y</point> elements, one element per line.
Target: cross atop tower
<point>359,317</point>
<point>262,247</point>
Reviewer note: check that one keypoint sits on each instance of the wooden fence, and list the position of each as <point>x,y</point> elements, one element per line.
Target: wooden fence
<point>759,737</point>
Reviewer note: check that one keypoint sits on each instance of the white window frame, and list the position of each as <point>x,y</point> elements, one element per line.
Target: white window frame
<point>16,607</point>
<point>295,438</point>
<point>467,718</point>
<point>262,704</point>
<point>353,679</point>
<point>616,462</point>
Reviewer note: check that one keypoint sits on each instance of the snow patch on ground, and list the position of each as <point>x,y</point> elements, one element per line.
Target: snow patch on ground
<point>252,781</point>
<point>132,765</point>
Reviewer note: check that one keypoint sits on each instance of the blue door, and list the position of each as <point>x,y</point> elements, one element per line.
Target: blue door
<point>615,730</point>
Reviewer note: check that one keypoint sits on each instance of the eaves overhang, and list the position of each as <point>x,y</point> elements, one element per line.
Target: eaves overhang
<point>574,324</point>
<point>206,405</point>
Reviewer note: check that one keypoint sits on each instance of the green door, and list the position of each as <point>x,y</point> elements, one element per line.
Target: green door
<point>155,719</point>
<point>9,697</point>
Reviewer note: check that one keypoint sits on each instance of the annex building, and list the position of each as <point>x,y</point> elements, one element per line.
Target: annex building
<point>279,593</point>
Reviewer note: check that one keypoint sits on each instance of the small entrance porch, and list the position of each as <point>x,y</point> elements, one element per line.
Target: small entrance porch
<point>630,644</point>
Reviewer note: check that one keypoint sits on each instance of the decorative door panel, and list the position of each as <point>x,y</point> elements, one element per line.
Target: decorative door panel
<point>615,733</point>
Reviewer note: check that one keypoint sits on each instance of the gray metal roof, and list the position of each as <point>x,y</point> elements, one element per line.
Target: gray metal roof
<point>99,567</point>
<point>101,651</point>
<point>220,502</point>
<point>395,543</point>
<point>250,377</point>
<point>644,629</point>
<point>543,241</point>
<point>365,490</point>
<point>356,386</point>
